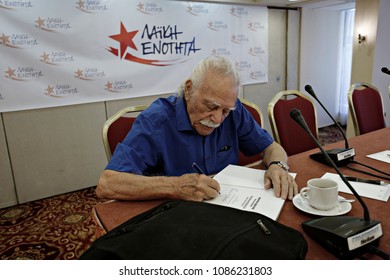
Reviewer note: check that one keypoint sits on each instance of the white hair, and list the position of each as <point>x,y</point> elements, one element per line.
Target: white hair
<point>216,64</point>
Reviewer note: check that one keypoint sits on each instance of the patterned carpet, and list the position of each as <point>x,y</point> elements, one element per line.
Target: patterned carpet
<point>61,227</point>
<point>56,228</point>
<point>330,134</point>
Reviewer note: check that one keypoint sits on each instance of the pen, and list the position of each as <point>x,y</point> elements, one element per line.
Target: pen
<point>368,181</point>
<point>198,169</point>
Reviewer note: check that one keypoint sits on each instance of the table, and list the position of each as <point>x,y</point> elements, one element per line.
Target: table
<point>112,213</point>
<point>307,168</point>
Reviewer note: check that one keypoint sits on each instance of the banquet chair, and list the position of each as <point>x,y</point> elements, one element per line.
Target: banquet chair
<point>117,126</point>
<point>244,160</point>
<point>366,107</point>
<point>285,130</point>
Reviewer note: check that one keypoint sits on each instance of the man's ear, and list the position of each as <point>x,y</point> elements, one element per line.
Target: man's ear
<point>187,89</point>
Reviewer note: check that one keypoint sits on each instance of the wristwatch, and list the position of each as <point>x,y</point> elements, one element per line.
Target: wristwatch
<point>281,164</point>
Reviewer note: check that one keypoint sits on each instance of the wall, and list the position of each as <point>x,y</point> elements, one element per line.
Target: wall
<point>382,58</point>
<point>54,150</point>
<point>7,188</point>
<point>57,150</point>
<point>320,59</point>
<point>261,94</point>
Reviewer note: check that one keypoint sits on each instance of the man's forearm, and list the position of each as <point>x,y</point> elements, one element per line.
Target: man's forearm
<point>127,186</point>
<point>274,152</point>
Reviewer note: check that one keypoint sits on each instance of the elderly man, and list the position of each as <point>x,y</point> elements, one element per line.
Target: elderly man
<point>204,123</point>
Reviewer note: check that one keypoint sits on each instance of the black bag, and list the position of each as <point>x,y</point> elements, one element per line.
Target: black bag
<point>179,230</point>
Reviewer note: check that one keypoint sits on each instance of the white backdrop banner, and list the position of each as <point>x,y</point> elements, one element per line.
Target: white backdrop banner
<point>56,53</point>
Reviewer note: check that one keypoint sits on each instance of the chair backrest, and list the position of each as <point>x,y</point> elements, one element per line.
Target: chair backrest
<point>285,130</point>
<point>366,107</point>
<point>244,160</point>
<point>117,126</point>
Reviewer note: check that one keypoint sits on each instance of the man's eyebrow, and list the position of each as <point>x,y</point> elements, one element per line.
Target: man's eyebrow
<point>214,103</point>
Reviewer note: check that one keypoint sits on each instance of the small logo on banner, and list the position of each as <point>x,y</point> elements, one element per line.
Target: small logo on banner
<point>239,39</point>
<point>89,74</point>
<point>61,91</point>
<point>221,52</point>
<point>257,75</point>
<point>197,10</point>
<point>56,58</point>
<point>17,40</point>
<point>23,74</point>
<point>91,6</point>
<point>118,86</point>
<point>239,11</point>
<point>52,24</point>
<point>149,8</point>
<point>14,5</point>
<point>243,65</point>
<point>256,26</point>
<point>256,51</point>
<point>217,25</point>
<point>156,42</point>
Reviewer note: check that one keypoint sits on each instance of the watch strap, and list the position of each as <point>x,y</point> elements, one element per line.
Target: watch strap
<point>281,164</point>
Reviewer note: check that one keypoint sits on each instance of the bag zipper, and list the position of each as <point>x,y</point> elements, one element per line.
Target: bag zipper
<point>263,227</point>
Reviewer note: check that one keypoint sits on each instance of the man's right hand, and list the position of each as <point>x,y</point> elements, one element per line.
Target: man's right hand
<point>196,187</point>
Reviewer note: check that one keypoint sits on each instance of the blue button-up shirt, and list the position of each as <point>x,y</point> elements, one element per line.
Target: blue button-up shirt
<point>163,142</point>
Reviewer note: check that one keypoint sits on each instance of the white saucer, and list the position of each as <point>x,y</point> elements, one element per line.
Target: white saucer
<point>303,205</point>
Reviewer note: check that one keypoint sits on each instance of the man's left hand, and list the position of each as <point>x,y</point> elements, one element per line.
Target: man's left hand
<point>283,183</point>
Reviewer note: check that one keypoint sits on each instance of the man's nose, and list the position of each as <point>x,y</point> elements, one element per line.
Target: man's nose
<point>217,116</point>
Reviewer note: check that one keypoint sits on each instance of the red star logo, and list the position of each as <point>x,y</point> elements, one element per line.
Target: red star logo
<point>40,22</point>
<point>108,86</point>
<point>10,72</point>
<point>125,39</point>
<point>79,73</point>
<point>45,57</point>
<point>4,39</point>
<point>80,4</point>
<point>50,90</point>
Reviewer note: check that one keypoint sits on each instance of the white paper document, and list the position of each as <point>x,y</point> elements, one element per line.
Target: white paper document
<point>363,189</point>
<point>382,156</point>
<point>243,188</point>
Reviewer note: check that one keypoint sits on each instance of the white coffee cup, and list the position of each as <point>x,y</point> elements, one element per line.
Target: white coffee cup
<point>321,194</point>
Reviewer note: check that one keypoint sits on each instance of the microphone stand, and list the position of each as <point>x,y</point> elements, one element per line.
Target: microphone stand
<point>340,156</point>
<point>310,91</point>
<point>344,236</point>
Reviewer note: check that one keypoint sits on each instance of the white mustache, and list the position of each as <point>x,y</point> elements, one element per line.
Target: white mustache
<point>210,123</point>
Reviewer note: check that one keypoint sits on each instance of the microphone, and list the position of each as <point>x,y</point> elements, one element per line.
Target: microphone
<point>385,70</point>
<point>340,156</point>
<point>346,237</point>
